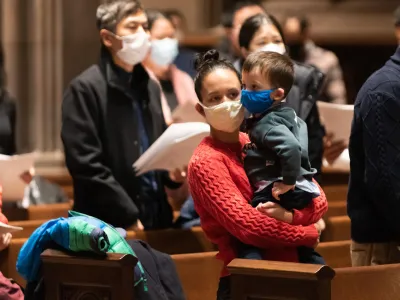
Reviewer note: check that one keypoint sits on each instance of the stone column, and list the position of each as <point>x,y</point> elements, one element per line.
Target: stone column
<point>45,75</point>
<point>46,44</point>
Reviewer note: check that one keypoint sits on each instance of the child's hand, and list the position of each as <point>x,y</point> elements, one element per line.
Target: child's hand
<point>281,188</point>
<point>275,211</point>
<point>5,240</point>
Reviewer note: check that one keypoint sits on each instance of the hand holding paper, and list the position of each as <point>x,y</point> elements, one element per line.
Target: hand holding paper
<point>173,149</point>
<point>336,118</point>
<point>5,228</point>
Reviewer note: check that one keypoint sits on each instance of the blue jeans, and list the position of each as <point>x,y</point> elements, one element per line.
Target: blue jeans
<point>224,288</point>
<point>188,217</point>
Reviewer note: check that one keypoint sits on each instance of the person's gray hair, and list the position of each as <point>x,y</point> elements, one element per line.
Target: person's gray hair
<point>109,14</point>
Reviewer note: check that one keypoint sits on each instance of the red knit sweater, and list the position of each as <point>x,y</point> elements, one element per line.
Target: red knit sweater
<point>222,192</point>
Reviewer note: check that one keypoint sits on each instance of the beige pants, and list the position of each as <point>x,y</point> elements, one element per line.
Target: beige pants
<point>374,254</point>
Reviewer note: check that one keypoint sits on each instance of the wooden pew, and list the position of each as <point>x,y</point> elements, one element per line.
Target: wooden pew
<point>367,283</point>
<point>8,260</point>
<point>28,226</point>
<point>277,280</point>
<point>78,277</point>
<point>253,279</point>
<point>199,274</point>
<point>337,192</point>
<point>49,211</point>
<point>336,208</point>
<point>176,241</point>
<point>336,254</point>
<point>36,212</point>
<point>206,265</point>
<point>337,229</point>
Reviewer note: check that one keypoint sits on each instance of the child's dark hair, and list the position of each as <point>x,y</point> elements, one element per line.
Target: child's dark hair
<point>206,63</point>
<point>277,67</point>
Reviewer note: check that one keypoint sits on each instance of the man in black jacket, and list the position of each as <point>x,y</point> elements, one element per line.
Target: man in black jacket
<point>373,199</point>
<point>111,114</point>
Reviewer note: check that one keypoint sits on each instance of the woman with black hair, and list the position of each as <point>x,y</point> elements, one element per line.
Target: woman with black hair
<point>263,32</point>
<point>7,114</point>
<point>220,187</point>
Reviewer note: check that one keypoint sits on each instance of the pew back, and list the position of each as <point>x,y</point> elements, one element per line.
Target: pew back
<point>199,274</point>
<point>176,241</point>
<point>78,277</point>
<point>367,283</point>
<point>337,229</point>
<point>253,279</point>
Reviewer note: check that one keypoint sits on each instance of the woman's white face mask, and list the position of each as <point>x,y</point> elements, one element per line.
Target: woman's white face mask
<point>226,116</point>
<point>164,52</point>
<point>134,47</point>
<point>271,47</point>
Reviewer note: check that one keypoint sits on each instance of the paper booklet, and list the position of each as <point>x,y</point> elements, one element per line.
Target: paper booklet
<point>11,168</point>
<point>336,118</point>
<point>5,228</point>
<point>173,149</point>
<point>187,113</point>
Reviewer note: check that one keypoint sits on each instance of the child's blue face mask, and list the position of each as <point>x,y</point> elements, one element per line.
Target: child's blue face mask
<point>257,102</point>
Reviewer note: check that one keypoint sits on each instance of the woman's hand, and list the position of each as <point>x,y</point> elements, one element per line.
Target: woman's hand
<point>275,211</point>
<point>5,240</point>
<point>333,149</point>
<point>179,175</point>
<point>319,226</point>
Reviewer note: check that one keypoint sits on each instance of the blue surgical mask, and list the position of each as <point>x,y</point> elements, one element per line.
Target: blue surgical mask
<point>257,102</point>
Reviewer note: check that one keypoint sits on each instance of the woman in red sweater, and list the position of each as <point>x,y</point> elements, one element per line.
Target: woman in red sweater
<point>219,185</point>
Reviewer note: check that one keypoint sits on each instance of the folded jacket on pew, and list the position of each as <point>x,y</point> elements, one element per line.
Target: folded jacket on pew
<point>78,233</point>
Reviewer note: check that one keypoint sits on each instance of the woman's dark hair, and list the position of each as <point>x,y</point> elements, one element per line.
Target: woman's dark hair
<point>153,15</point>
<point>253,24</point>
<point>206,63</point>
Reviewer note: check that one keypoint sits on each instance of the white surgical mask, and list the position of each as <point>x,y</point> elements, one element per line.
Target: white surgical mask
<point>164,52</point>
<point>134,47</point>
<point>226,116</point>
<point>271,47</point>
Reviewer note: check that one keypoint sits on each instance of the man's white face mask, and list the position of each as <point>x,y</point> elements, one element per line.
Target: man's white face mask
<point>134,47</point>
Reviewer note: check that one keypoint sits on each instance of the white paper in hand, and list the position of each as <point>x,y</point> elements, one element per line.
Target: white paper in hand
<point>336,118</point>
<point>11,168</point>
<point>173,149</point>
<point>187,113</point>
<point>4,228</point>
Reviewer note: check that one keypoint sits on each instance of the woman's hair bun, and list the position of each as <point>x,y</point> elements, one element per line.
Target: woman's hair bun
<point>205,59</point>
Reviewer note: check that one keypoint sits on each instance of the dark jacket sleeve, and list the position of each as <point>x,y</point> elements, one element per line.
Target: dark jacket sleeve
<point>356,190</point>
<point>316,133</point>
<point>383,136</point>
<point>281,140</point>
<point>84,158</point>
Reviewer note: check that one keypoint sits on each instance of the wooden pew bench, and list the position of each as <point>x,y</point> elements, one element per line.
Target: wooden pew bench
<point>337,229</point>
<point>28,226</point>
<point>336,208</point>
<point>336,192</point>
<point>37,212</point>
<point>76,277</point>
<point>253,279</point>
<point>277,280</point>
